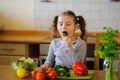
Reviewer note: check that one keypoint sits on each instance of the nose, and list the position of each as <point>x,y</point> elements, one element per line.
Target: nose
<point>64,26</point>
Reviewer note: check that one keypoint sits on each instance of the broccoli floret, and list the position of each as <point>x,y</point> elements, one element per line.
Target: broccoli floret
<point>62,70</point>
<point>64,33</point>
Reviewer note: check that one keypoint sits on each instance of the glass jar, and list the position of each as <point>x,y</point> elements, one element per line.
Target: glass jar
<point>110,69</point>
<point>105,64</point>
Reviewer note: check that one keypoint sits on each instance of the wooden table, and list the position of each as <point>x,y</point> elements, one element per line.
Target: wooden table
<point>7,73</point>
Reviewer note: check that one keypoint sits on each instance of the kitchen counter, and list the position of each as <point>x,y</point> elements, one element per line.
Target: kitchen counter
<point>25,36</point>
<point>35,36</point>
<point>41,36</point>
<point>6,72</point>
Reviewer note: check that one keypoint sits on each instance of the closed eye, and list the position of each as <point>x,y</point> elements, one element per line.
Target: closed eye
<point>68,24</point>
<point>60,24</point>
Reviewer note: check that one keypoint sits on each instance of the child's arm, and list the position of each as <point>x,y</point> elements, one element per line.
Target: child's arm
<point>50,58</point>
<point>82,51</point>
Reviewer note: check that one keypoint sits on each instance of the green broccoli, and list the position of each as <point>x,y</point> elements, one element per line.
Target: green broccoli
<point>64,33</point>
<point>62,70</point>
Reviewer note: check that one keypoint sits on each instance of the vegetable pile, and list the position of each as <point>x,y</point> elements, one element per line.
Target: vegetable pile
<point>108,49</point>
<point>78,68</point>
<point>49,74</point>
<point>26,63</point>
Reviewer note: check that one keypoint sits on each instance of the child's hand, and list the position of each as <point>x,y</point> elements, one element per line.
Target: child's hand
<point>45,66</point>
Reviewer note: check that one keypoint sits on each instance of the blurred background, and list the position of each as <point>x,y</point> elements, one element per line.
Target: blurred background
<point>38,14</point>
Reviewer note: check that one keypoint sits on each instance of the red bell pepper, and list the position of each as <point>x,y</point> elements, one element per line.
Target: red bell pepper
<point>80,69</point>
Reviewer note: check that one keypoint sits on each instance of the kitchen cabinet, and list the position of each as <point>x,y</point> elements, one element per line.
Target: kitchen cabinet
<point>7,59</point>
<point>43,49</point>
<point>12,49</point>
<point>33,50</point>
<point>10,52</point>
<point>14,44</point>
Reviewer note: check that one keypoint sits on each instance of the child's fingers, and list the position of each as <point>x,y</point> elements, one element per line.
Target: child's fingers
<point>47,66</point>
<point>43,67</point>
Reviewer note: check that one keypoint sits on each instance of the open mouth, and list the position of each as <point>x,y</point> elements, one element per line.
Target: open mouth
<point>64,33</point>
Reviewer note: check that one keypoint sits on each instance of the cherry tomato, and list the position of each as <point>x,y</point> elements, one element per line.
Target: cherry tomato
<point>52,74</point>
<point>34,72</point>
<point>79,68</point>
<point>40,76</point>
<point>48,70</point>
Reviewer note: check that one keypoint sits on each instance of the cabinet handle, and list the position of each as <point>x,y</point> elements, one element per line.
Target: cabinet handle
<point>8,49</point>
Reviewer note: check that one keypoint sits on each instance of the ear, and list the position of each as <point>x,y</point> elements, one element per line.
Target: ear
<point>76,27</point>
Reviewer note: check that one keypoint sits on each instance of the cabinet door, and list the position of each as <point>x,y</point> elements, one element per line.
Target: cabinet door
<point>12,49</point>
<point>43,52</point>
<point>44,49</point>
<point>7,60</point>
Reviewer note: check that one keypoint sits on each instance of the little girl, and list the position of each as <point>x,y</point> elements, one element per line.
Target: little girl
<point>66,50</point>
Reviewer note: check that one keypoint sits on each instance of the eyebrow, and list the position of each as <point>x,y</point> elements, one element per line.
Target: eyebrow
<point>65,22</point>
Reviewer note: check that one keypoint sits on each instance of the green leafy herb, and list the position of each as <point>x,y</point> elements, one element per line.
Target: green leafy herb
<point>108,49</point>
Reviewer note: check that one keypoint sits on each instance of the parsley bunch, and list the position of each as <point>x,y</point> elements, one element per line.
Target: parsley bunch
<point>108,49</point>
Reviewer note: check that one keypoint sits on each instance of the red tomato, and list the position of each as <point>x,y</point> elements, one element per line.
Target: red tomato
<point>48,70</point>
<point>79,68</point>
<point>40,76</point>
<point>52,74</point>
<point>34,72</point>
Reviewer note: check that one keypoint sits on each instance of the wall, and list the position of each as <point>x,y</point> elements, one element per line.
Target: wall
<point>37,15</point>
<point>16,14</point>
<point>97,13</point>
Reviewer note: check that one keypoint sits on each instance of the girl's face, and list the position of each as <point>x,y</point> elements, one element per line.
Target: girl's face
<point>66,23</point>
